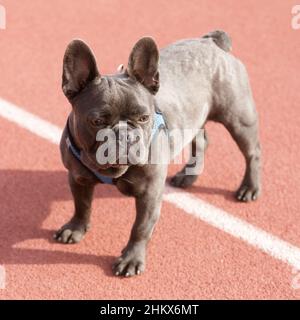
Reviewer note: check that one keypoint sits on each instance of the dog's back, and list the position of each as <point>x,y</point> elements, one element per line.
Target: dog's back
<point>202,77</point>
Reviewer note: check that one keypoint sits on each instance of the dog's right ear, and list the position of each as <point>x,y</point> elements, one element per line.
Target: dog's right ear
<point>79,68</point>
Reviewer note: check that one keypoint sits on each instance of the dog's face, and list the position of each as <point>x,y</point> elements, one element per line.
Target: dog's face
<point>112,112</point>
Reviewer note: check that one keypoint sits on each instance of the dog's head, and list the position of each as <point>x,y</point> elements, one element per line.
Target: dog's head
<point>120,104</point>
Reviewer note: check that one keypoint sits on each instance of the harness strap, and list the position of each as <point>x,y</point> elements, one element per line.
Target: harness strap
<point>77,154</point>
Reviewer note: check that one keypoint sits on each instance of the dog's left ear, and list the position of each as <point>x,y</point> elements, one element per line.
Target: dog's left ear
<point>143,64</point>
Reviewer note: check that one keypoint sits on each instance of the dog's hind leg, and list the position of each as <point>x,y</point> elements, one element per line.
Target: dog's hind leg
<point>246,137</point>
<point>188,175</point>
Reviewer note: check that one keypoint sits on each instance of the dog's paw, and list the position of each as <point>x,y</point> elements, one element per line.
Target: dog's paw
<point>180,180</point>
<point>130,263</point>
<point>248,193</point>
<point>71,232</point>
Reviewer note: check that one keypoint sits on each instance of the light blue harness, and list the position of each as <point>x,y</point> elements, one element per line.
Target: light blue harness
<point>159,123</point>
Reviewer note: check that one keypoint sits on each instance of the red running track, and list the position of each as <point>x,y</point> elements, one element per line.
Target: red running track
<point>187,258</point>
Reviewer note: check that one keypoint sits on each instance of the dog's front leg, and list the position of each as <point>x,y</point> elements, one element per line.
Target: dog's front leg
<point>75,229</point>
<point>132,260</point>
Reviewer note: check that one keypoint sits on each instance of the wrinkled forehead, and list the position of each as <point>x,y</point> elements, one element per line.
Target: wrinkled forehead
<point>117,94</point>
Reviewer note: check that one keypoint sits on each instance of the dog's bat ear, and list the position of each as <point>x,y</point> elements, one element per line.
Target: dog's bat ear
<point>79,68</point>
<point>143,64</point>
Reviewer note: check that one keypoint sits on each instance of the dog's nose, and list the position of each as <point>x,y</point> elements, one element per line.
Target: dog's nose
<point>125,137</point>
<point>124,134</point>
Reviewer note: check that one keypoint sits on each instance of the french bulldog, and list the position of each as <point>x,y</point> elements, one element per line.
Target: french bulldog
<point>190,82</point>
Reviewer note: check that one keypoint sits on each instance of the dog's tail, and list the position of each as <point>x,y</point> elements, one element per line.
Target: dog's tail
<point>221,39</point>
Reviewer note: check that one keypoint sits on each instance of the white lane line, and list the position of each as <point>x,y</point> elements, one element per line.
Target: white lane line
<point>236,227</point>
<point>30,121</point>
<point>210,214</point>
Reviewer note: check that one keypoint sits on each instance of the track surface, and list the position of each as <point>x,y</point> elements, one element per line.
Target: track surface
<point>187,258</point>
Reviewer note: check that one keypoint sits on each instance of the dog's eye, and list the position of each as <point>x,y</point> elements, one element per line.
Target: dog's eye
<point>144,118</point>
<point>97,122</point>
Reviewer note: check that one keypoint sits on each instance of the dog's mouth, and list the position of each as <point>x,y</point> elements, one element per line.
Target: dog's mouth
<point>109,168</point>
<point>116,165</point>
<point>112,163</point>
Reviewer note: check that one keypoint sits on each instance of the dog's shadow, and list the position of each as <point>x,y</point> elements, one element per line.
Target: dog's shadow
<point>25,202</point>
<point>228,195</point>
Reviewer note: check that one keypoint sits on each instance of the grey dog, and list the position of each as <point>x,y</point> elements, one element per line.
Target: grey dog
<point>191,82</point>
